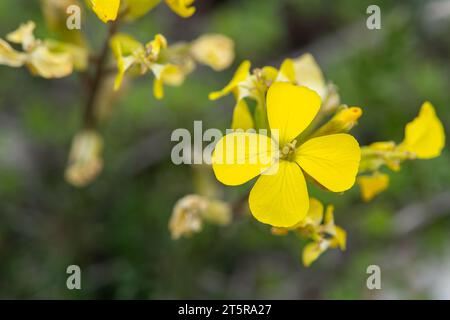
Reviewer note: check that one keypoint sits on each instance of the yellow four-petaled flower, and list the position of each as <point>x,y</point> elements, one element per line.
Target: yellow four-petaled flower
<point>280,196</point>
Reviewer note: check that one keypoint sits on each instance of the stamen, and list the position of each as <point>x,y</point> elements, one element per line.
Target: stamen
<point>288,149</point>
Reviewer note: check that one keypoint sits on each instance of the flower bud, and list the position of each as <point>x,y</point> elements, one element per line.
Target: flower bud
<point>85,162</point>
<point>343,121</point>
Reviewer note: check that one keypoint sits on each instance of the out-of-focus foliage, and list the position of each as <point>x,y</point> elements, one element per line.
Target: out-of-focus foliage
<point>116,229</point>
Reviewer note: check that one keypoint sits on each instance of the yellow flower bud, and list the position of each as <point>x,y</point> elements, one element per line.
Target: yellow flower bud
<point>343,121</point>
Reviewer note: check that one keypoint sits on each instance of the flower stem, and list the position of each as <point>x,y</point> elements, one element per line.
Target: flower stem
<point>89,119</point>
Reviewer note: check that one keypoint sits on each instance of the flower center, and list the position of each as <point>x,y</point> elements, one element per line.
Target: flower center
<point>288,150</point>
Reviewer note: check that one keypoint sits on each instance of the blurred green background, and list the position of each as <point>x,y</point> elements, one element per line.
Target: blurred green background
<point>116,229</point>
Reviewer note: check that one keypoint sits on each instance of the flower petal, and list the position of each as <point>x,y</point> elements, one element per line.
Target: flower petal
<point>79,54</point>
<point>124,48</point>
<point>169,74</point>
<point>123,44</point>
<point>240,156</point>
<point>286,73</point>
<point>106,10</point>
<point>315,212</point>
<point>240,75</point>
<point>424,136</point>
<point>9,56</point>
<point>290,109</point>
<point>280,199</point>
<point>24,35</point>
<point>181,7</point>
<point>372,185</point>
<point>331,160</point>
<point>339,239</point>
<point>313,250</point>
<point>47,64</point>
<point>308,74</point>
<point>242,118</point>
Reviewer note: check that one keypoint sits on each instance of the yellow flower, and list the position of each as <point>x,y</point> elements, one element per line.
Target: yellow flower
<point>130,52</point>
<point>214,50</point>
<point>424,136</point>
<point>373,185</point>
<point>127,51</point>
<point>85,160</point>
<point>320,228</point>
<point>48,59</point>
<point>280,196</point>
<point>424,139</point>
<point>331,236</point>
<point>107,10</point>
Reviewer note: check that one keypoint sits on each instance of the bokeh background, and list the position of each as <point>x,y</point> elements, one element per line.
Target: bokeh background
<point>116,229</point>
